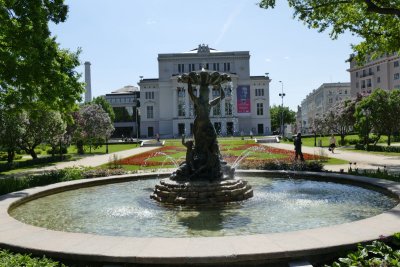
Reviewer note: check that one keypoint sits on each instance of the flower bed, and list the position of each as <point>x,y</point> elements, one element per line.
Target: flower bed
<point>254,153</point>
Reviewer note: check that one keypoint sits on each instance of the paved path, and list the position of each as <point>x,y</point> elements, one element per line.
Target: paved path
<point>362,160</point>
<point>92,160</point>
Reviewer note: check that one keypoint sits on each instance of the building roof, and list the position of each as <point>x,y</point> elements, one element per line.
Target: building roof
<point>126,90</point>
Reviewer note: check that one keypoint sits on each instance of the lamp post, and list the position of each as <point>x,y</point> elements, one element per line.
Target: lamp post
<point>137,123</point>
<point>366,112</point>
<point>282,95</point>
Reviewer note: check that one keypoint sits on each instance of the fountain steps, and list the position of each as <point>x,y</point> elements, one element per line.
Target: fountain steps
<point>201,192</point>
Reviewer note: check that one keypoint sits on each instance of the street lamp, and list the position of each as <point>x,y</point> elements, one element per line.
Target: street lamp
<point>282,95</point>
<point>137,124</point>
<point>366,112</point>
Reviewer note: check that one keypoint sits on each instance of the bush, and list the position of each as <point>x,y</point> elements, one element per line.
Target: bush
<point>56,151</point>
<point>10,259</point>
<point>315,166</point>
<point>4,156</point>
<point>394,149</point>
<point>376,254</point>
<point>21,164</point>
<point>12,184</point>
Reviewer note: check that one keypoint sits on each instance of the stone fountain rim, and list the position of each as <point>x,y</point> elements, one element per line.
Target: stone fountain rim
<point>200,250</point>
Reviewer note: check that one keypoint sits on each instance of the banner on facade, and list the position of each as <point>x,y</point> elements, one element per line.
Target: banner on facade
<point>243,99</point>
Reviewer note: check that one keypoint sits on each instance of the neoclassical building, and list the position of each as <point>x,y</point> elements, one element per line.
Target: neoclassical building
<point>383,73</point>
<point>167,110</point>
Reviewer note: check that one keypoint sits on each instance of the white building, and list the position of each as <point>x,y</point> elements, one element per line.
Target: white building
<point>166,108</point>
<point>319,101</point>
<point>383,73</point>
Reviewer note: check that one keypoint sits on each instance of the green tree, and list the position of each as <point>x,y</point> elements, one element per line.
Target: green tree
<point>11,129</point>
<point>379,112</point>
<point>33,67</point>
<point>105,105</point>
<point>41,126</point>
<point>377,22</point>
<point>289,116</point>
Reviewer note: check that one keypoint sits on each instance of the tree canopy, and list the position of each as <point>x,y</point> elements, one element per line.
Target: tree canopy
<point>289,116</point>
<point>377,22</point>
<point>33,68</point>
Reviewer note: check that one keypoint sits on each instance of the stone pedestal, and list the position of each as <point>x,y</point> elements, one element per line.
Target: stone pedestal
<point>194,193</point>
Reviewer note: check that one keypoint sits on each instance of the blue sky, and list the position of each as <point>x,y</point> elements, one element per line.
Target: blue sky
<point>122,39</point>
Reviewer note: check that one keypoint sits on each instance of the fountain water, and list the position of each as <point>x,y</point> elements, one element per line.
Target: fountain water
<point>204,178</point>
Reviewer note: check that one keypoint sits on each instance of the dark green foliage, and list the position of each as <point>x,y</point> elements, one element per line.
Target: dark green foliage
<point>380,174</point>
<point>395,149</point>
<point>22,164</point>
<point>56,150</point>
<point>12,184</point>
<point>4,155</point>
<point>8,259</point>
<point>376,254</point>
<point>314,166</point>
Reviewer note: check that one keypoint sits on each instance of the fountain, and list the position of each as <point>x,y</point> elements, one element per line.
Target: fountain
<point>204,178</point>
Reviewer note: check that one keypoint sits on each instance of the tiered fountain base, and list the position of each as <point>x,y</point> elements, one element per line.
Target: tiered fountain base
<point>193,193</point>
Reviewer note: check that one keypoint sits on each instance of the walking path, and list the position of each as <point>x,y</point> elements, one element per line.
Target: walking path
<point>92,160</point>
<point>359,160</point>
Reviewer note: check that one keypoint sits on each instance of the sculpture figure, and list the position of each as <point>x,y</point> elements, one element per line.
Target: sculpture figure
<point>205,157</point>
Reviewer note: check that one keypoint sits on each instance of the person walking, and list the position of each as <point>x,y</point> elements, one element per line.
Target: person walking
<point>332,143</point>
<point>297,147</point>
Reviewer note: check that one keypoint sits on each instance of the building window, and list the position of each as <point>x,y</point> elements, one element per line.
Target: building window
<point>217,110</point>
<point>357,84</point>
<point>150,112</point>
<point>363,84</point>
<point>191,67</point>
<point>397,76</point>
<point>378,79</point>
<point>259,92</point>
<point>227,66</point>
<point>181,68</point>
<point>369,84</point>
<point>181,109</point>
<point>378,68</point>
<point>216,66</point>
<point>181,128</point>
<point>217,127</point>
<point>340,91</point>
<point>228,108</point>
<point>181,92</point>
<point>370,71</point>
<point>364,73</point>
<point>149,95</point>
<point>396,64</point>
<point>345,92</point>
<point>216,92</point>
<point>356,74</point>
<point>260,109</point>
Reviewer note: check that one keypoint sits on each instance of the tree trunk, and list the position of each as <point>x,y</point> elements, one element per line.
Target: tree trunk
<point>388,141</point>
<point>32,153</point>
<point>342,136</point>
<point>10,155</point>
<point>79,147</point>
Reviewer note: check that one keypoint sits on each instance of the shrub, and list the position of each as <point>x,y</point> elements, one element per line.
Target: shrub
<point>11,259</point>
<point>293,165</point>
<point>394,149</point>
<point>12,184</point>
<point>375,254</point>
<point>28,163</point>
<point>4,156</point>
<point>50,151</point>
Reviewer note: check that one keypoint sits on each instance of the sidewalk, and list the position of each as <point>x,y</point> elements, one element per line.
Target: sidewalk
<point>91,160</point>
<point>362,160</point>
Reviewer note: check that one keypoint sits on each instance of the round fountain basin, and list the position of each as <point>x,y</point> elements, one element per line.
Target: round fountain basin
<point>278,205</point>
<point>274,247</point>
